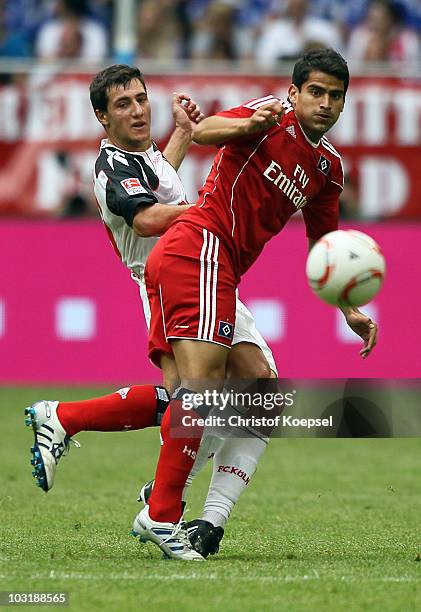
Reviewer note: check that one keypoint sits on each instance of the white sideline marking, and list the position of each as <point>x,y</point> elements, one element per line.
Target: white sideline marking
<point>55,575</point>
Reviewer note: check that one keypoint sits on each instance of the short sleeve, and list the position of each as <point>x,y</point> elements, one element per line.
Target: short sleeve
<point>238,112</point>
<point>248,108</point>
<point>321,214</point>
<point>127,192</point>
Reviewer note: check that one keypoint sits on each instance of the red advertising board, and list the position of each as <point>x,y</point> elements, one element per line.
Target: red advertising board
<point>49,137</point>
<point>69,312</point>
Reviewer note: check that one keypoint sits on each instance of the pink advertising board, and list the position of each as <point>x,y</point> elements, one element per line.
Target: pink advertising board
<point>69,312</point>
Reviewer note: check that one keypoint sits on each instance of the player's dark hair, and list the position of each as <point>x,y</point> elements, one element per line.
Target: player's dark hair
<point>328,61</point>
<point>118,74</point>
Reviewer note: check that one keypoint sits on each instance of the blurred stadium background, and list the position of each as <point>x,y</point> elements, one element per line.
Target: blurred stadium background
<point>68,310</point>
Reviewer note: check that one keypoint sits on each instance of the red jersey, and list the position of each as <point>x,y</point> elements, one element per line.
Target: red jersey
<point>258,182</point>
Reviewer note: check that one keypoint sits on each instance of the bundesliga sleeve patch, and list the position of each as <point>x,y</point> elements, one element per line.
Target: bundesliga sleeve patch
<point>133,186</point>
<point>324,165</point>
<point>225,330</point>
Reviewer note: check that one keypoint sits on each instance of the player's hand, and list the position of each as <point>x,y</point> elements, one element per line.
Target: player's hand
<point>364,327</point>
<point>265,117</point>
<point>186,112</point>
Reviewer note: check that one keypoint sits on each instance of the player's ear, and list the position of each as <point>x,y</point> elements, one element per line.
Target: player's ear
<point>293,92</point>
<point>102,117</point>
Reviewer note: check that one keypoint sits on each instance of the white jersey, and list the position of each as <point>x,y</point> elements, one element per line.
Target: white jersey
<point>126,182</point>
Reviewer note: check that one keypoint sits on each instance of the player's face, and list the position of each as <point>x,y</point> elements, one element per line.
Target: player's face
<point>318,104</point>
<point>128,117</point>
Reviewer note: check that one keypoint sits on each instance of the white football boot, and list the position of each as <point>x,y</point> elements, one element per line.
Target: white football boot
<point>51,441</point>
<point>204,537</point>
<point>172,538</point>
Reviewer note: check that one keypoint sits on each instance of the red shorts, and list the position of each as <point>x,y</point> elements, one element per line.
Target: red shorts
<point>191,289</point>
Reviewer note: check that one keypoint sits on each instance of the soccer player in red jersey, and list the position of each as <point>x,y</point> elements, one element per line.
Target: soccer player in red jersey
<point>274,160</point>
<point>139,195</point>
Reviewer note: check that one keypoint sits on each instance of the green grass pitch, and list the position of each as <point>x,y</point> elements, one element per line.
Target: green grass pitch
<point>324,525</point>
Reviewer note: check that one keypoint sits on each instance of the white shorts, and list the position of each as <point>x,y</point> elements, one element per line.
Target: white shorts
<point>245,326</point>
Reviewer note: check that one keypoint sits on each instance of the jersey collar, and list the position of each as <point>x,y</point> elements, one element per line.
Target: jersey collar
<point>106,143</point>
<point>313,144</point>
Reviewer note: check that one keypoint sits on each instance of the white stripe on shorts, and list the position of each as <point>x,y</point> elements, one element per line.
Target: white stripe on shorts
<point>215,284</point>
<point>208,272</point>
<point>208,285</point>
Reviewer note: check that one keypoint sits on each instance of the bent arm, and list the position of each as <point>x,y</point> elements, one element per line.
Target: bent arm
<point>217,130</point>
<point>187,115</point>
<point>156,219</point>
<point>177,146</point>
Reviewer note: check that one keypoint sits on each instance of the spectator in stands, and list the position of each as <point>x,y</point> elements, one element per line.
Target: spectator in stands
<point>20,20</point>
<point>382,36</point>
<point>77,198</point>
<point>353,12</point>
<point>250,15</point>
<point>72,32</point>
<point>158,35</point>
<point>289,34</point>
<point>13,44</point>
<point>103,10</point>
<point>215,36</point>
<point>224,29</point>
<point>185,28</point>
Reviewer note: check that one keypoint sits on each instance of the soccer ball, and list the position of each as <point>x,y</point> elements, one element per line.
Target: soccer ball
<point>345,268</point>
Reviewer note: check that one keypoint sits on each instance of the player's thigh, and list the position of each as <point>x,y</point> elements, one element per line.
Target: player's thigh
<point>170,378</point>
<point>200,362</point>
<point>250,356</point>
<point>157,340</point>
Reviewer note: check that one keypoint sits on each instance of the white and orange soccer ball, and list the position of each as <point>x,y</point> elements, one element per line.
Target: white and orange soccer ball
<point>345,268</point>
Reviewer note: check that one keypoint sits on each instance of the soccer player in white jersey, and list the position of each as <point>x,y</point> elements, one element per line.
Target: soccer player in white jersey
<point>140,195</point>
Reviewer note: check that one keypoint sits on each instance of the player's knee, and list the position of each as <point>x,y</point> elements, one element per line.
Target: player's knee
<point>261,370</point>
<point>249,366</point>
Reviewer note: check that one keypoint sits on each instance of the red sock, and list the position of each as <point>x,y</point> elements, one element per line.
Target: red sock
<point>128,408</point>
<point>175,463</point>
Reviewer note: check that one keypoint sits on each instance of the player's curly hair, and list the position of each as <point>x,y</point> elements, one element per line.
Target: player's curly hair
<point>328,61</point>
<point>118,74</point>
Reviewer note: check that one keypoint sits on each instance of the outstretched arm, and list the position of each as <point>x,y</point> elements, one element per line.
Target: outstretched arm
<point>218,130</point>
<point>187,115</point>
<point>359,322</point>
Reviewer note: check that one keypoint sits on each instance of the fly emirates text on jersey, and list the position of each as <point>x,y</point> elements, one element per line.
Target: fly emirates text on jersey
<point>274,173</point>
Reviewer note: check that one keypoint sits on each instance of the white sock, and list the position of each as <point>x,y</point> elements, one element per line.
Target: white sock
<point>234,464</point>
<point>208,446</point>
